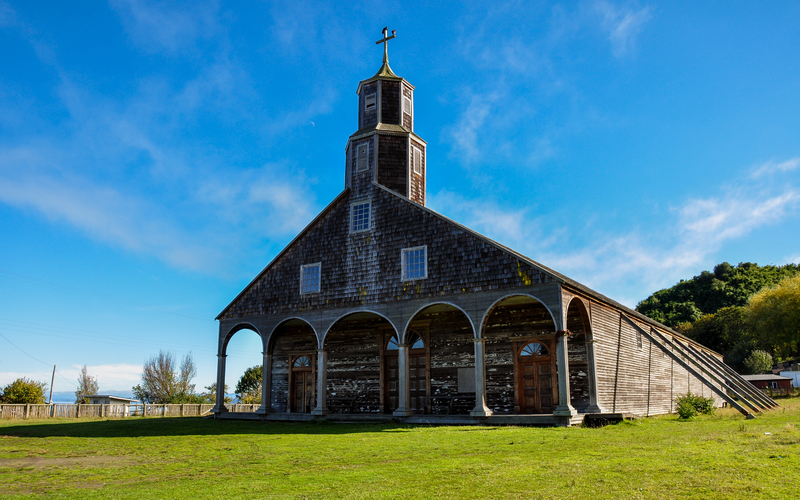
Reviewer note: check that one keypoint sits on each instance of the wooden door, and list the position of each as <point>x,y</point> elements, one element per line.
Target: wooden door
<point>535,378</point>
<point>418,381</point>
<point>301,396</point>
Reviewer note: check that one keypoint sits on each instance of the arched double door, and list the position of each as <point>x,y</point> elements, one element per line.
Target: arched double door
<point>419,372</point>
<point>302,383</point>
<point>536,376</point>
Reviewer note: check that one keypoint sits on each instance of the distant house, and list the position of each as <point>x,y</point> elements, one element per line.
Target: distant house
<point>769,381</point>
<point>792,374</point>
<point>110,400</point>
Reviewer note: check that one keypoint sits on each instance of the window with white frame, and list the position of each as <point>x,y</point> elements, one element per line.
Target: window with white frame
<point>369,102</point>
<point>359,216</point>
<point>417,160</point>
<point>310,278</point>
<point>406,105</point>
<point>362,157</point>
<point>414,263</point>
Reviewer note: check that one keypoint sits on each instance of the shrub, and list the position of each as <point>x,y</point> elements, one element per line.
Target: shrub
<point>24,391</point>
<point>691,405</point>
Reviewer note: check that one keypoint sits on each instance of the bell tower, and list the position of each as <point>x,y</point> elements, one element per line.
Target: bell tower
<point>385,148</point>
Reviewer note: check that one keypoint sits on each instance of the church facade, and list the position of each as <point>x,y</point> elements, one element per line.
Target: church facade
<point>383,308</point>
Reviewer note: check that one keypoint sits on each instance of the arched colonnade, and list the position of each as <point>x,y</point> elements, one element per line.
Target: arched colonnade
<point>514,355</point>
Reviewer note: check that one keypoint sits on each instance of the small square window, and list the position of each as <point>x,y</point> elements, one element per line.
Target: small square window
<point>359,217</point>
<point>310,278</point>
<point>417,161</point>
<point>362,160</point>
<point>414,263</point>
<point>369,102</point>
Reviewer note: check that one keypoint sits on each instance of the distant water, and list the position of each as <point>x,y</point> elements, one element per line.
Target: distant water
<point>69,397</point>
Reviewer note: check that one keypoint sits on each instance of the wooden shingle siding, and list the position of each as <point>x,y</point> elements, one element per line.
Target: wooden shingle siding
<point>390,102</point>
<point>392,163</point>
<point>361,181</point>
<point>364,268</point>
<point>407,119</point>
<point>369,118</point>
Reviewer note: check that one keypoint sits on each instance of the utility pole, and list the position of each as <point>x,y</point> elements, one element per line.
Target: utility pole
<point>52,381</point>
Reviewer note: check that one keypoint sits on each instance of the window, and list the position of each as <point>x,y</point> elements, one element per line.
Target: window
<point>533,349</point>
<point>362,157</point>
<point>309,278</point>
<point>393,344</point>
<point>359,217</point>
<point>414,263</point>
<point>302,361</point>
<point>416,341</point>
<point>369,102</point>
<point>406,105</point>
<point>774,385</point>
<point>417,159</point>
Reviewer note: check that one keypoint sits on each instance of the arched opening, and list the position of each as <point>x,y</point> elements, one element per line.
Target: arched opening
<point>243,348</point>
<point>354,346</point>
<point>293,351</point>
<point>441,361</point>
<point>517,379</point>
<point>577,348</point>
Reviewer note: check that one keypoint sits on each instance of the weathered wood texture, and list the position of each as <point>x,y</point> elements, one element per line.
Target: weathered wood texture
<point>354,366</point>
<point>364,268</point>
<point>633,375</point>
<point>505,324</point>
<point>362,181</point>
<point>578,358</point>
<point>285,342</point>
<point>367,118</point>
<point>390,103</point>
<point>451,341</point>
<point>417,180</point>
<point>393,163</point>
<point>408,122</point>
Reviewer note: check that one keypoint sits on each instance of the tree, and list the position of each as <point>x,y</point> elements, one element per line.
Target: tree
<point>211,395</point>
<point>758,362</point>
<point>707,293</point>
<point>248,389</point>
<point>87,386</point>
<point>163,382</point>
<point>24,391</point>
<point>774,315</point>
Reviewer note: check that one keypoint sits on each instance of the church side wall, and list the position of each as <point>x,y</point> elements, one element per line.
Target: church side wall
<point>633,379</point>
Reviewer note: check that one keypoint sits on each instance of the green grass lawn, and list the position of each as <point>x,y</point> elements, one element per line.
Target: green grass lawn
<point>721,456</point>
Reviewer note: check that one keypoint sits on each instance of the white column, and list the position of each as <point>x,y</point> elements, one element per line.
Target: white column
<point>219,405</point>
<point>594,405</point>
<point>322,383</point>
<point>480,410</point>
<point>564,409</point>
<point>266,385</point>
<point>403,387</point>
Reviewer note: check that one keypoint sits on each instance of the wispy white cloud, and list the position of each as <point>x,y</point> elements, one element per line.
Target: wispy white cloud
<point>158,26</point>
<point>622,24</point>
<point>770,167</point>
<point>638,261</point>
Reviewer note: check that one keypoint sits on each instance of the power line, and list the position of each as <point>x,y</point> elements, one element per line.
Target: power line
<point>34,358</point>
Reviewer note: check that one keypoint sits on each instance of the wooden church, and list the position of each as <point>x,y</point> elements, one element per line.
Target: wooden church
<point>382,308</point>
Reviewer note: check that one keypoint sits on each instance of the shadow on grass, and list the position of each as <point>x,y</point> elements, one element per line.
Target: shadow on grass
<point>183,426</point>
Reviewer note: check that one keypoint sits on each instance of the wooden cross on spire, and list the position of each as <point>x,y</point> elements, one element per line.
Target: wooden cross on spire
<point>385,43</point>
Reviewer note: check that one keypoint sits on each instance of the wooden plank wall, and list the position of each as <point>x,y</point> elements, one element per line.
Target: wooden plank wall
<point>354,367</point>
<point>632,375</point>
<point>452,347</point>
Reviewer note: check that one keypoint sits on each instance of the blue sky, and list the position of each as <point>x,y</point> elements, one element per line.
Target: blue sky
<point>155,156</point>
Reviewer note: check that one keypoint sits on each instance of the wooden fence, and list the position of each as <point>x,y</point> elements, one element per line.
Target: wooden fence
<point>120,411</point>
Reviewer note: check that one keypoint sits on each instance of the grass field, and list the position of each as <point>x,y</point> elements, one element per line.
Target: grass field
<point>722,456</point>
